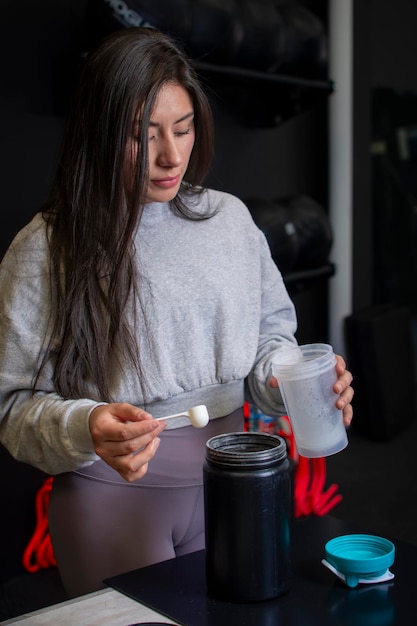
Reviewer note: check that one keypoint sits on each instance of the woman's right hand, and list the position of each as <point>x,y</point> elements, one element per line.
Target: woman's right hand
<point>125,437</point>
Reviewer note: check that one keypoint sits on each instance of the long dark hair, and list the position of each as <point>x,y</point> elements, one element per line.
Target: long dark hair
<point>92,220</point>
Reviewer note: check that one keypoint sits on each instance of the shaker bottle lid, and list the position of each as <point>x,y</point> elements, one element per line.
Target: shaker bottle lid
<point>360,558</point>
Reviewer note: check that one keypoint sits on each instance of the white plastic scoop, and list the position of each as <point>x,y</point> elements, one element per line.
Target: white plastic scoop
<point>198,416</point>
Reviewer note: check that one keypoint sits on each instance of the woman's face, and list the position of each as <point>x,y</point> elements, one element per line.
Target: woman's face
<point>171,139</point>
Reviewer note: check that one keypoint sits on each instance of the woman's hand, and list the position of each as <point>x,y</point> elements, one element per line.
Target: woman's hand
<point>125,437</point>
<point>342,387</point>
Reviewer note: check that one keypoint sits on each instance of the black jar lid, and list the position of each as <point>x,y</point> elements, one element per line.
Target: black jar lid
<point>246,449</point>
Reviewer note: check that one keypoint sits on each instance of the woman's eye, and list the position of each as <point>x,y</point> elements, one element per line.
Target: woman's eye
<point>183,132</point>
<point>177,133</point>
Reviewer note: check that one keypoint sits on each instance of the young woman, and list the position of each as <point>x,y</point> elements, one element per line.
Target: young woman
<point>135,294</point>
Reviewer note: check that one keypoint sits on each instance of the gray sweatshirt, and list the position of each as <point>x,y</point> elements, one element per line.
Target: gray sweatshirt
<point>216,312</point>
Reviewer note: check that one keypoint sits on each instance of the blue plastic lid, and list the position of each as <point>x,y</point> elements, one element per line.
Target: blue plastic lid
<point>360,556</point>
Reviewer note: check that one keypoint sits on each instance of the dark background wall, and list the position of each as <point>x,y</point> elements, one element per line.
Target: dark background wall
<point>384,50</point>
<point>39,43</point>
<point>393,43</point>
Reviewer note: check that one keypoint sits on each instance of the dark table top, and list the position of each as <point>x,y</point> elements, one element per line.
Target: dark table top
<point>176,588</point>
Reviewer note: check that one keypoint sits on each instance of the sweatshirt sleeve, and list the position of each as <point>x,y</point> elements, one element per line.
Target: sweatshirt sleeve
<point>37,428</point>
<point>278,325</point>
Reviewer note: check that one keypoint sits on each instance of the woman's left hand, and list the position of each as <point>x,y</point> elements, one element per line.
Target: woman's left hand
<point>344,389</point>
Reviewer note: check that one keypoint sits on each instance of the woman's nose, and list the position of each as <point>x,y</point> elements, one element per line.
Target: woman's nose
<point>169,155</point>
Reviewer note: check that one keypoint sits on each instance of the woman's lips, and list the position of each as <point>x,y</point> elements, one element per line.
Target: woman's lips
<point>168,182</point>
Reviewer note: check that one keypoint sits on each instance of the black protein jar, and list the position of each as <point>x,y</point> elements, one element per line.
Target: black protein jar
<point>247,495</point>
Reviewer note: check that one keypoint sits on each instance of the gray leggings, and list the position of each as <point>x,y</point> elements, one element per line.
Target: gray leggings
<point>102,526</point>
